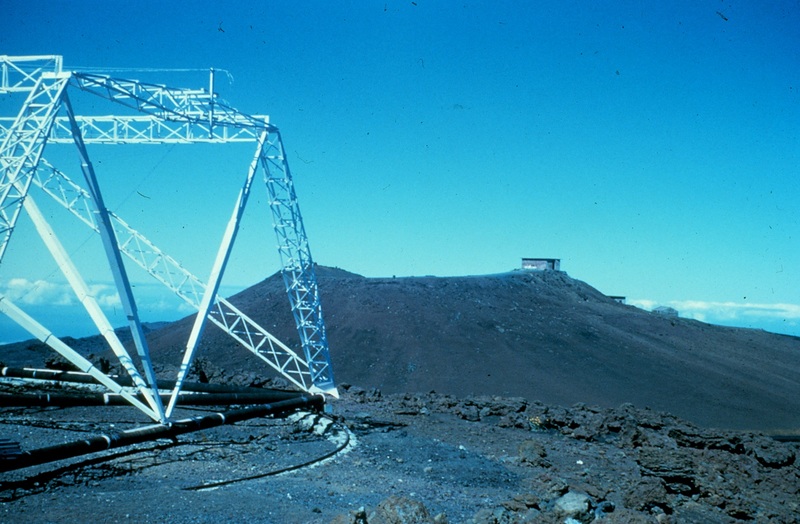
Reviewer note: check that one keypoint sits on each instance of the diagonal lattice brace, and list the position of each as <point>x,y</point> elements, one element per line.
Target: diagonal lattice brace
<point>297,265</point>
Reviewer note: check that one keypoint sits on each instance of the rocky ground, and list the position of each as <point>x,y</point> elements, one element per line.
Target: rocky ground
<point>408,458</point>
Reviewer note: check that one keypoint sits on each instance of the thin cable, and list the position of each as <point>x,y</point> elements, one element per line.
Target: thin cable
<point>130,69</point>
<point>272,473</point>
<point>101,70</point>
<point>141,182</point>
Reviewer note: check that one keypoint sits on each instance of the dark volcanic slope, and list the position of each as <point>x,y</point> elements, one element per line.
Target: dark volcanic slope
<point>540,335</point>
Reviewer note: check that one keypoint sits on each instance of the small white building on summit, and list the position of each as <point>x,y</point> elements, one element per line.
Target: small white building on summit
<point>541,264</point>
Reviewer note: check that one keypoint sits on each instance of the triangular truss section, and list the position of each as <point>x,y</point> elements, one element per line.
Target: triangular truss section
<point>158,115</point>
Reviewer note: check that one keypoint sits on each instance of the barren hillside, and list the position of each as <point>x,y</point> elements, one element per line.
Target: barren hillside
<point>539,335</point>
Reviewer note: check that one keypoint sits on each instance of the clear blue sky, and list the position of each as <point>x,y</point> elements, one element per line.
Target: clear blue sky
<point>652,146</point>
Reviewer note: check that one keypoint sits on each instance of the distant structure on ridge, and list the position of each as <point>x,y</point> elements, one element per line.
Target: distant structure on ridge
<point>541,264</point>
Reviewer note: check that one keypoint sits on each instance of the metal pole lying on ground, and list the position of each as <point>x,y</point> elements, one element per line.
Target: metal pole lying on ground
<point>107,399</point>
<point>143,434</point>
<point>85,378</point>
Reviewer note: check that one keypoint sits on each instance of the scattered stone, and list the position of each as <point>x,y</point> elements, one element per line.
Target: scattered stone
<point>358,516</point>
<point>572,504</point>
<point>468,412</point>
<point>602,508</point>
<point>769,452</point>
<point>401,510</point>
<point>645,493</point>
<point>533,452</point>
<point>677,469</point>
<point>494,516</point>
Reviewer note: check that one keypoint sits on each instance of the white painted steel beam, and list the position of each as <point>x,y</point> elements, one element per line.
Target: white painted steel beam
<point>89,302</point>
<point>146,129</point>
<point>167,103</point>
<point>44,335</point>
<point>22,147</point>
<point>118,270</point>
<point>298,267</point>
<point>221,261</point>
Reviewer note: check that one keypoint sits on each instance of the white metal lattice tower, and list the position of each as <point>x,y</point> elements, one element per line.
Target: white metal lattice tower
<point>161,115</point>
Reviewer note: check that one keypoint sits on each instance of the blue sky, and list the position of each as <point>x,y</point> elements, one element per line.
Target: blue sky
<point>652,146</point>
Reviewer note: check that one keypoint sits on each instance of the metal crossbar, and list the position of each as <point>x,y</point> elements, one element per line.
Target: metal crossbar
<point>143,129</point>
<point>19,74</point>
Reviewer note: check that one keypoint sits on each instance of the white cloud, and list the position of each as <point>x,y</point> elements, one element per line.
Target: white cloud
<point>43,293</point>
<point>169,304</point>
<point>38,292</point>
<point>153,300</point>
<point>726,311</point>
<point>55,305</point>
<point>106,295</point>
<point>642,303</point>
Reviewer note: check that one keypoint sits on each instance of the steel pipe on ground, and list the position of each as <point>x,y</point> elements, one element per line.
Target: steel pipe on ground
<point>144,434</point>
<point>61,400</point>
<point>85,378</point>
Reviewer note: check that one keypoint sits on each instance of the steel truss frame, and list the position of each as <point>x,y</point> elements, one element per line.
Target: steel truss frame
<point>162,115</point>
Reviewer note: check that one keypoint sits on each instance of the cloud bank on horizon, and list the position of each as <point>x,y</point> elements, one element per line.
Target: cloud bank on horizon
<point>778,317</point>
<point>56,306</point>
<point>23,291</point>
